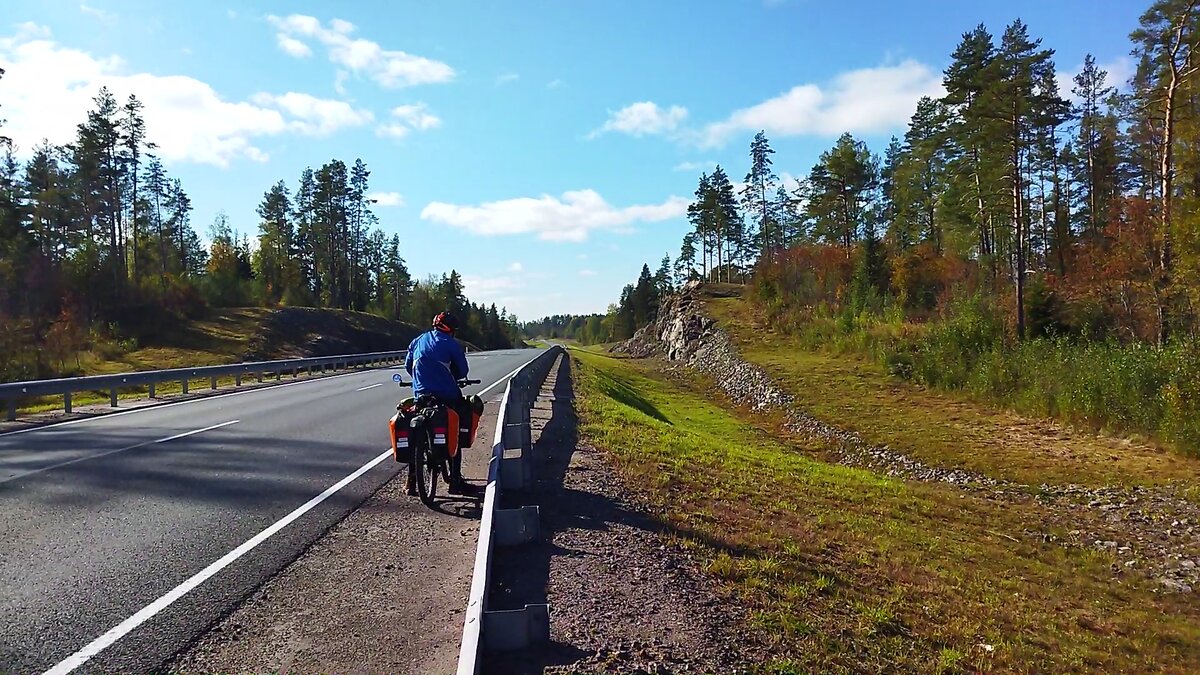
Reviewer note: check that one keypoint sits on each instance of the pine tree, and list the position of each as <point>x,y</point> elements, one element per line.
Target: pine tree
<point>1091,89</point>
<point>662,278</point>
<point>1023,99</point>
<point>1166,43</point>
<point>757,192</point>
<point>975,138</point>
<point>920,178</point>
<point>841,191</point>
<point>275,244</point>
<point>133,133</point>
<point>700,215</point>
<point>729,227</point>
<point>685,264</point>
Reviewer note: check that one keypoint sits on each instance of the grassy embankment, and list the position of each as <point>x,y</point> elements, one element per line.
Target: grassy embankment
<point>232,335</point>
<point>849,571</point>
<point>855,391</point>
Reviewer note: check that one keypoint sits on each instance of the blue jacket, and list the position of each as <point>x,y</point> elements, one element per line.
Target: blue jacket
<point>436,360</point>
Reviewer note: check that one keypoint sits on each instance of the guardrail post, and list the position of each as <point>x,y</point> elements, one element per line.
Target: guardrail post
<point>237,380</point>
<point>212,381</point>
<point>151,392</point>
<point>278,375</point>
<point>258,376</point>
<point>12,410</point>
<point>67,402</point>
<point>295,372</point>
<point>185,385</point>
<point>112,397</point>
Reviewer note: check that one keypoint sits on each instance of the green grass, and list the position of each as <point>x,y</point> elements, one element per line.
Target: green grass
<point>848,571</point>
<point>943,428</point>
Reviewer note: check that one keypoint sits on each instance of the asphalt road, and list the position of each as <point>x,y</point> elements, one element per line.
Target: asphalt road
<point>99,520</point>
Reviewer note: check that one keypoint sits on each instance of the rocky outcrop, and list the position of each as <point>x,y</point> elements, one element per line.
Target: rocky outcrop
<point>1153,531</point>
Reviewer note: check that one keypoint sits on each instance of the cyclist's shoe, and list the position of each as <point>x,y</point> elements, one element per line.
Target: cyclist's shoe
<point>459,487</point>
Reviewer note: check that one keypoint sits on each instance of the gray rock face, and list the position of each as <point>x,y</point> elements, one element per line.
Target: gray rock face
<point>1149,530</point>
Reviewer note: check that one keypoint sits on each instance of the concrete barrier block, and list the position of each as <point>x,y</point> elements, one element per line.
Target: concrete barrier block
<point>510,630</point>
<point>517,526</point>
<point>513,473</point>
<point>517,436</point>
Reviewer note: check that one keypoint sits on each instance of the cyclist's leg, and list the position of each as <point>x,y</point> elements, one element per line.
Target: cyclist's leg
<point>456,469</point>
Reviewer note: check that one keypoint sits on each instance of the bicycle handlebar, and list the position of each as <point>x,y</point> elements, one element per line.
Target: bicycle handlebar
<point>460,383</point>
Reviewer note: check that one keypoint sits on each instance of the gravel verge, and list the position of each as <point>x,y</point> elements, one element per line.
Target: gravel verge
<point>624,596</point>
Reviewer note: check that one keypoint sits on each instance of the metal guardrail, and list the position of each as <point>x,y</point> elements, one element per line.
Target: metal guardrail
<point>12,393</point>
<point>509,629</point>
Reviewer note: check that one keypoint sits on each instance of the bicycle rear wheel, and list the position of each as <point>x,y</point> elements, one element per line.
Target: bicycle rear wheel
<point>427,470</point>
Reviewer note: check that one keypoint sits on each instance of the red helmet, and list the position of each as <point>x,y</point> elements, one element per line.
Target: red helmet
<point>446,322</point>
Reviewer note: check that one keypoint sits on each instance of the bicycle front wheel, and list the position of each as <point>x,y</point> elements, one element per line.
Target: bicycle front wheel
<point>427,471</point>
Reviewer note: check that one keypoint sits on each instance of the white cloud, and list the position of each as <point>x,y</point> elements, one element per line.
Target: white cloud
<point>568,218</point>
<point>386,198</point>
<point>487,290</point>
<point>315,116</point>
<point>507,78</point>
<point>554,84</point>
<point>407,118</point>
<point>1119,72</point>
<point>694,166</point>
<point>516,267</point>
<point>49,89</point>
<point>396,131</point>
<point>416,116</point>
<point>870,100</point>
<point>587,273</point>
<point>389,68</point>
<point>100,15</point>
<point>293,47</point>
<point>644,118</point>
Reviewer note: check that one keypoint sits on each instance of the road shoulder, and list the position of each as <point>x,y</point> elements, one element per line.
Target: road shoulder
<point>384,591</point>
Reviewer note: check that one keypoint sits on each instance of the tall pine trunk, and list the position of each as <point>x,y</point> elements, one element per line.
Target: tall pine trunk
<point>1018,219</point>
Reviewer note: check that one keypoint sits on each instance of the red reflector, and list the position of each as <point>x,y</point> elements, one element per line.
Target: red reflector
<point>439,430</point>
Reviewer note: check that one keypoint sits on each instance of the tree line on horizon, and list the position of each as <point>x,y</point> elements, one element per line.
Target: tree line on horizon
<point>98,247</point>
<point>1069,213</point>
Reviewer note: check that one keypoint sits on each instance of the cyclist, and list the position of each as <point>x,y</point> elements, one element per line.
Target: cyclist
<point>436,361</point>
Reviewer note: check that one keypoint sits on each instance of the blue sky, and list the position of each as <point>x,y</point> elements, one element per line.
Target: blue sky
<point>544,149</point>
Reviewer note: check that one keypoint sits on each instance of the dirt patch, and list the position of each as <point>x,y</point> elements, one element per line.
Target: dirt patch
<point>624,594</point>
<point>383,592</point>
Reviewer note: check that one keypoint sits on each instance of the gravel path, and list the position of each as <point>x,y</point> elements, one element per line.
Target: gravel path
<point>623,596</point>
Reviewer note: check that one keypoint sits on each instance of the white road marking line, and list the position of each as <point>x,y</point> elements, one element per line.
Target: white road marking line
<point>146,613</point>
<point>254,390</point>
<point>370,386</point>
<point>115,451</point>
